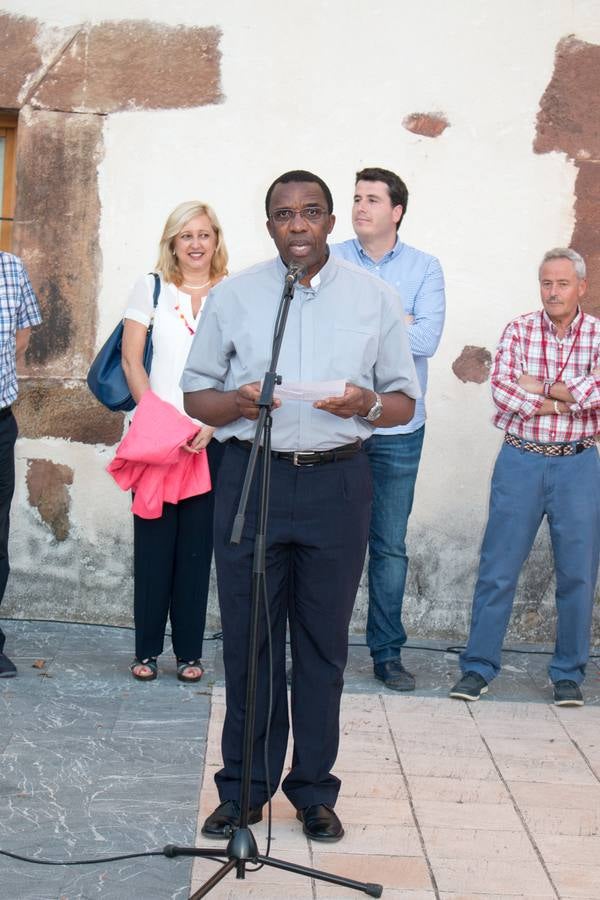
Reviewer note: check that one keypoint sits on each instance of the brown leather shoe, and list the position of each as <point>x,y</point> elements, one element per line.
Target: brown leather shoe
<point>226,817</point>
<point>320,823</point>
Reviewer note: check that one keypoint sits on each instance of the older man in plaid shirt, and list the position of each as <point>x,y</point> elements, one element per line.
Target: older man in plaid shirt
<point>546,387</point>
<point>19,310</point>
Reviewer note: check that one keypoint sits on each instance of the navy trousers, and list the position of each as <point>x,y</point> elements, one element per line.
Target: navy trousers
<point>315,547</point>
<point>525,488</point>
<point>8,436</point>
<point>172,557</point>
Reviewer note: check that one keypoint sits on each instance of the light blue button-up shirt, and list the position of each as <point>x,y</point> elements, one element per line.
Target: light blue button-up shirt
<point>419,280</point>
<point>346,325</point>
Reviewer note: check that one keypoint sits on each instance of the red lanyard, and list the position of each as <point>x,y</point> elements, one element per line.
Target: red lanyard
<point>564,365</point>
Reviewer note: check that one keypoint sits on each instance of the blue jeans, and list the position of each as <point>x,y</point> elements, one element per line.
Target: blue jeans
<point>525,488</point>
<point>394,460</point>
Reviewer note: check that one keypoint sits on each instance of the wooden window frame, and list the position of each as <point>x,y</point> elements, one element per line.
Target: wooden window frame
<point>8,130</point>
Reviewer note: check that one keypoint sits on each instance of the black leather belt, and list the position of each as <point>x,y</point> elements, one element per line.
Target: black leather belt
<point>309,457</point>
<point>5,412</point>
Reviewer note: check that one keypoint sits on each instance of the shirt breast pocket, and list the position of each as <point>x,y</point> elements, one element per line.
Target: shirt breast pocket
<point>354,353</point>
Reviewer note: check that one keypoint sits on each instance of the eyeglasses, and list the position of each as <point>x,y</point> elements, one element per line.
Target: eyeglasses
<point>308,213</point>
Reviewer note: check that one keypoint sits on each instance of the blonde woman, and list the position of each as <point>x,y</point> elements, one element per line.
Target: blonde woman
<point>172,554</point>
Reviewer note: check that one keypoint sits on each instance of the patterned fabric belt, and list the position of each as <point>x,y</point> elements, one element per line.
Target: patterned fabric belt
<point>5,412</point>
<point>550,449</point>
<point>309,457</point>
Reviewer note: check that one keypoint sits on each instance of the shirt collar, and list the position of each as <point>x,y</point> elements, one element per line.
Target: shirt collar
<point>324,274</point>
<point>391,254</point>
<point>551,327</point>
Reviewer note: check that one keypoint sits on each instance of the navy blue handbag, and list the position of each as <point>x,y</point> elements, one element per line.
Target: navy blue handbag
<point>106,379</point>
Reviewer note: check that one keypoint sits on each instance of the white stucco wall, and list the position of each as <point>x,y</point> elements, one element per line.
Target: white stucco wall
<point>325,87</point>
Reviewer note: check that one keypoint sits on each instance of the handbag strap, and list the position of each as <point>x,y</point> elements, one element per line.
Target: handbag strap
<point>156,292</point>
<point>155,296</point>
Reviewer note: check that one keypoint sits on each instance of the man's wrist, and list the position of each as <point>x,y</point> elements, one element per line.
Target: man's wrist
<point>367,401</point>
<point>374,409</point>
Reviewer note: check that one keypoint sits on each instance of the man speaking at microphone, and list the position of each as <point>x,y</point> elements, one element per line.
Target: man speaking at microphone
<point>344,326</point>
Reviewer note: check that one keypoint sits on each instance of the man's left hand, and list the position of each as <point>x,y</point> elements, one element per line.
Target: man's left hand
<point>349,404</point>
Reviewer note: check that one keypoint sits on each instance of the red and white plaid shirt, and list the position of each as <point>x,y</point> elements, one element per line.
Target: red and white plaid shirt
<point>521,350</point>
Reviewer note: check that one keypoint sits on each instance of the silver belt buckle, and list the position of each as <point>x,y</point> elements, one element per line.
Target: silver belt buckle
<point>297,457</point>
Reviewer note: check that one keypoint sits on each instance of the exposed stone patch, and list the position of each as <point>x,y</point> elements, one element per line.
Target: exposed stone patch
<point>27,50</point>
<point>47,486</point>
<point>52,408</point>
<point>128,65</point>
<point>20,57</point>
<point>569,122</point>
<point>586,234</point>
<point>473,364</point>
<point>428,124</point>
<point>56,231</point>
<point>569,116</point>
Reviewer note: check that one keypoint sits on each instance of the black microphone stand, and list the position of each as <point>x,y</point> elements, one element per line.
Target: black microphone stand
<point>242,848</point>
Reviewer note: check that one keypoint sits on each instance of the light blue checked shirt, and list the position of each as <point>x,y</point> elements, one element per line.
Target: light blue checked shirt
<point>18,309</point>
<point>419,280</point>
<point>346,325</point>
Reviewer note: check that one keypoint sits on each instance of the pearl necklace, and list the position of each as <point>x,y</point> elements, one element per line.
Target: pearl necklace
<point>196,287</point>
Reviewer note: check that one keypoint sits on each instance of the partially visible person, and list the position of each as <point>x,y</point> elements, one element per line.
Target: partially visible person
<point>19,312</point>
<point>380,201</point>
<point>172,553</point>
<point>546,388</point>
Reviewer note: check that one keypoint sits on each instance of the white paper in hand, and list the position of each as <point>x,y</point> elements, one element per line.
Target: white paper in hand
<point>309,391</point>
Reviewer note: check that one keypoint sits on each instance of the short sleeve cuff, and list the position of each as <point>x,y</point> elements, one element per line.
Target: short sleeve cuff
<point>191,382</point>
<point>28,319</point>
<point>136,315</point>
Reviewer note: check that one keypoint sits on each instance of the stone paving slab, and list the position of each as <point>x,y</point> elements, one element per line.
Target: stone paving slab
<point>94,764</point>
<point>497,814</point>
<point>441,800</point>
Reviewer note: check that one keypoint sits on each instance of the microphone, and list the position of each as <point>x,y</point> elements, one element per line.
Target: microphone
<point>295,273</point>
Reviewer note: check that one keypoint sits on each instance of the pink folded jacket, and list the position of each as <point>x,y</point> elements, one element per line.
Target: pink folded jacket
<point>151,462</point>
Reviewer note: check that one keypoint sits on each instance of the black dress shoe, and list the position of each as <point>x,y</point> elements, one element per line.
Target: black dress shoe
<point>226,817</point>
<point>394,675</point>
<point>320,823</point>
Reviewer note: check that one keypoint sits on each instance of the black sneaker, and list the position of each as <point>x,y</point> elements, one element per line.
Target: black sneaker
<point>567,693</point>
<point>470,687</point>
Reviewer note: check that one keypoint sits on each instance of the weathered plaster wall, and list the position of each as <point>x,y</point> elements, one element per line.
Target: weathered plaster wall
<point>493,125</point>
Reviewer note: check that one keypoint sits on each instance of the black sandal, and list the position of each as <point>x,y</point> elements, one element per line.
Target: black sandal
<point>149,663</point>
<point>183,665</point>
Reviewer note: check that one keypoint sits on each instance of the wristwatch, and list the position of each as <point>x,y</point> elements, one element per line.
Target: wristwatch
<point>375,410</point>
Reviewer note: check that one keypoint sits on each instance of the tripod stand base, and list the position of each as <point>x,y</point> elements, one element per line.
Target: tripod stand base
<point>242,848</point>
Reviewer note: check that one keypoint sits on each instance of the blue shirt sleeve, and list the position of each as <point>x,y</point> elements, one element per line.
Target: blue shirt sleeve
<point>425,332</point>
